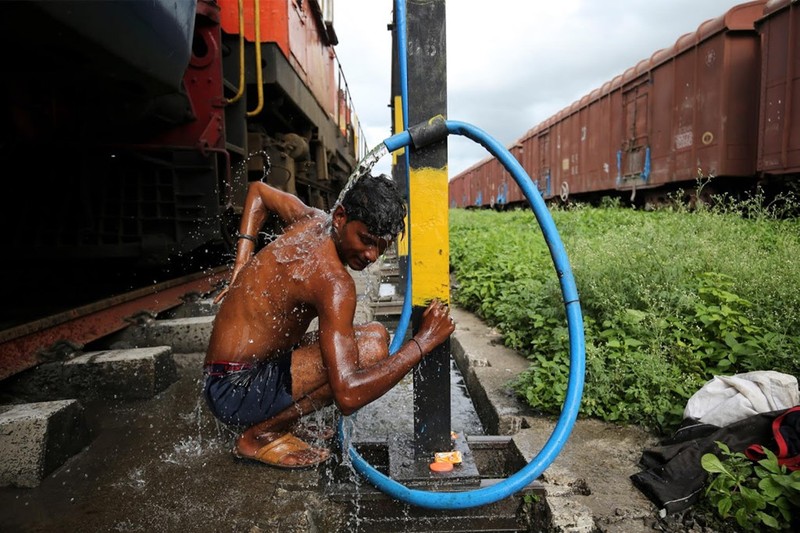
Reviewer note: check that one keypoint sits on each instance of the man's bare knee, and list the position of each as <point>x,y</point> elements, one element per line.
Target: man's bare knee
<point>373,343</point>
<point>374,331</point>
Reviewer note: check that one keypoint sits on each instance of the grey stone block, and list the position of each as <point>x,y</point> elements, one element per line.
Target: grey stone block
<point>203,307</point>
<point>120,374</point>
<point>112,374</point>
<point>36,438</point>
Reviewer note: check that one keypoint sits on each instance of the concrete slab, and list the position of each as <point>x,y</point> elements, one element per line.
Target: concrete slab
<point>120,374</point>
<point>36,438</point>
<point>127,374</point>
<point>193,308</point>
<point>488,369</point>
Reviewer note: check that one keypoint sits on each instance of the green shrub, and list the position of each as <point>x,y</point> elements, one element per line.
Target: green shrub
<point>669,298</point>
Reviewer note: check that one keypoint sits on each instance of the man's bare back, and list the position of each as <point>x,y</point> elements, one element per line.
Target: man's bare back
<point>271,304</point>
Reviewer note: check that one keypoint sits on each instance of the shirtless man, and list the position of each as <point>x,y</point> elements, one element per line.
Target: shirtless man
<point>262,370</point>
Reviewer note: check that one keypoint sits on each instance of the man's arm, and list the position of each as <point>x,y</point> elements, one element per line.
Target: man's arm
<point>354,387</point>
<point>262,199</point>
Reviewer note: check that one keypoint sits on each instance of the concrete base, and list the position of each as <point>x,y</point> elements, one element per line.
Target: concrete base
<point>495,458</point>
<point>414,471</point>
<point>376,512</point>
<point>37,438</point>
<point>113,374</point>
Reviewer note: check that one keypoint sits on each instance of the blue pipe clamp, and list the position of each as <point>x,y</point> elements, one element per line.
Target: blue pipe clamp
<point>434,130</point>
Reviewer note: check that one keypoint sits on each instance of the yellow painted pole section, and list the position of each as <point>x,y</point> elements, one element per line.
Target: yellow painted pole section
<point>430,246</point>
<point>402,244</point>
<point>398,126</point>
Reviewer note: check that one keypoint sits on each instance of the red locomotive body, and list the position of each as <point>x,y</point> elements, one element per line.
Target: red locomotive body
<point>130,131</point>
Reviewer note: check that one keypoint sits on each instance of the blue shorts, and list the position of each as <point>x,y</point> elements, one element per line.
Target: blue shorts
<point>245,395</point>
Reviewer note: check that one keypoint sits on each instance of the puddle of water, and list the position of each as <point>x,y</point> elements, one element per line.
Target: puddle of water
<point>392,414</point>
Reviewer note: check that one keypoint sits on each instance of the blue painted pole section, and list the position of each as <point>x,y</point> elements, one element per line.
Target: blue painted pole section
<point>569,413</point>
<point>402,58</point>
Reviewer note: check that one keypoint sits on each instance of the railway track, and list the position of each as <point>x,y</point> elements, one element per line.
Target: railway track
<point>25,346</point>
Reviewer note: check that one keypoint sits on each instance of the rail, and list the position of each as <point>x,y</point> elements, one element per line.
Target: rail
<point>23,347</point>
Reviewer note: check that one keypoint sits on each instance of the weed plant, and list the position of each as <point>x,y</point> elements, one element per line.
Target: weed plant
<point>670,298</point>
<point>755,496</point>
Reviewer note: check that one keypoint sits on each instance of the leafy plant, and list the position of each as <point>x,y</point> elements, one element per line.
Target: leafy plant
<point>669,299</point>
<point>755,495</point>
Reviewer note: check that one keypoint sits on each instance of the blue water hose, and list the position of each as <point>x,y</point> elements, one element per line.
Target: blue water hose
<point>569,412</point>
<point>402,62</point>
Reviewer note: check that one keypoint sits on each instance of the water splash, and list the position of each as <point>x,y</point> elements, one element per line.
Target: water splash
<point>354,519</point>
<point>135,480</point>
<point>189,449</point>
<point>241,166</point>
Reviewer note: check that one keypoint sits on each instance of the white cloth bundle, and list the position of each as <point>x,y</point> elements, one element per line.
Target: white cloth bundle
<point>727,399</point>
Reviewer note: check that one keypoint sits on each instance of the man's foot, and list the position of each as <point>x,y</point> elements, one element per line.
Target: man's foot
<point>313,431</point>
<point>284,451</point>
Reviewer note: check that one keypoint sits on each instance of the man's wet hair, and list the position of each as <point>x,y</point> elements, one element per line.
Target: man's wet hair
<point>376,201</point>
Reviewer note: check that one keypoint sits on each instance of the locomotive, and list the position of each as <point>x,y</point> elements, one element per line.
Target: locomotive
<point>717,107</point>
<point>130,131</point>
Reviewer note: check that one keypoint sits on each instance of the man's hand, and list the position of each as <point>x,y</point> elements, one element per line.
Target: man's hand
<point>221,295</point>
<point>437,326</point>
<point>224,291</point>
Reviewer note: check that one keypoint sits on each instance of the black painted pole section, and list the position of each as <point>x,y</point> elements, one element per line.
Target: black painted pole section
<point>427,97</point>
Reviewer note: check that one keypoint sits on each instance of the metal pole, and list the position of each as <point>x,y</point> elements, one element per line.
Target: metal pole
<point>427,97</point>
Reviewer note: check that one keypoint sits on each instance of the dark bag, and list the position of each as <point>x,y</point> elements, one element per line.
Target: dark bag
<point>674,477</point>
<point>786,440</point>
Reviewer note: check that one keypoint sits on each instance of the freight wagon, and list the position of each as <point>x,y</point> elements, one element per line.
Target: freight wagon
<point>718,103</point>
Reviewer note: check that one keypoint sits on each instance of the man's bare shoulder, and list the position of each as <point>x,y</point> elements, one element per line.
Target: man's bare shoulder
<point>332,278</point>
<point>310,254</point>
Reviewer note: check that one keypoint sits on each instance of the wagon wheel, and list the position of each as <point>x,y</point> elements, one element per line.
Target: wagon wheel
<point>564,191</point>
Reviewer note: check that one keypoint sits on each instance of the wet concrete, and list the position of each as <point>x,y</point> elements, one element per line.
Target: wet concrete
<point>164,465</point>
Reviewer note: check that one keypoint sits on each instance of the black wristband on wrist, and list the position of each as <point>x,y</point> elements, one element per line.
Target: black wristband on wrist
<point>418,346</point>
<point>248,237</point>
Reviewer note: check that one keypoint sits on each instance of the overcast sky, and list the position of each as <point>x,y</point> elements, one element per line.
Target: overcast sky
<point>511,64</point>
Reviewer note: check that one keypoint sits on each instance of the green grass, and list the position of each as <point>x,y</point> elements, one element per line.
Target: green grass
<point>670,298</point>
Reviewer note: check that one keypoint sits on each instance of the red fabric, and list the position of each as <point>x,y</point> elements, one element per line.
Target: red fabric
<point>786,435</point>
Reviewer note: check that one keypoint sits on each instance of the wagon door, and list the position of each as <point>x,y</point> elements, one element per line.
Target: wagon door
<point>543,164</point>
<point>633,161</point>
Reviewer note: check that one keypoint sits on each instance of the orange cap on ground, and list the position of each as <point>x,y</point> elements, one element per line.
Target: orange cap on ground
<point>441,467</point>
